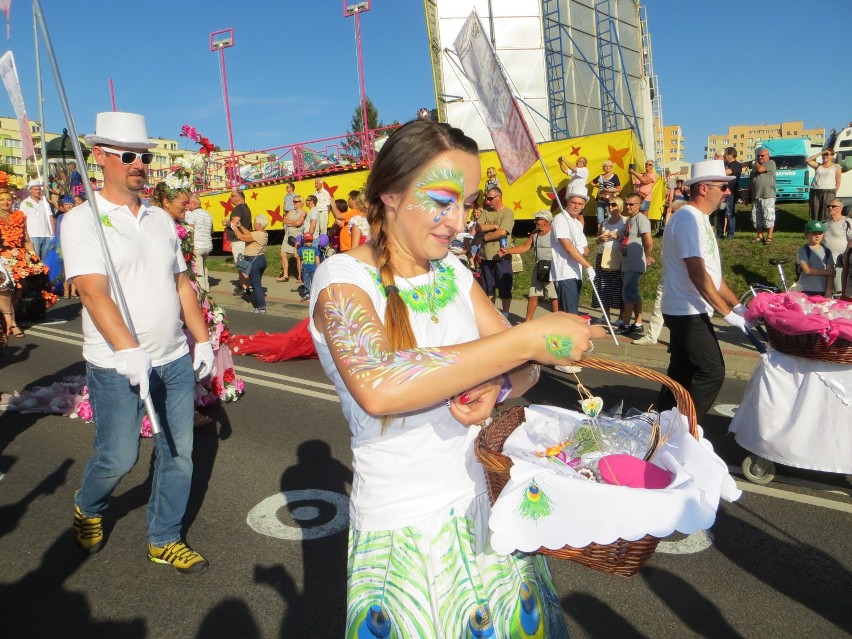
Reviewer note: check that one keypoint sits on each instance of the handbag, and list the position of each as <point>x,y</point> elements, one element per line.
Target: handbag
<point>244,265</point>
<point>542,271</point>
<point>611,257</point>
<point>7,282</point>
<point>517,263</point>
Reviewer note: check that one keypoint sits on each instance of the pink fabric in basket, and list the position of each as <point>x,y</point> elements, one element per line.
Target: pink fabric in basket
<point>783,312</point>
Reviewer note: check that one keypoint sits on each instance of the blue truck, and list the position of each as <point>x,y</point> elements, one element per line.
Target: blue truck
<point>792,174</point>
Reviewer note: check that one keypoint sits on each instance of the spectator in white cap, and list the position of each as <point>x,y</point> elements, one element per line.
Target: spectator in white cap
<point>540,284</point>
<point>39,217</point>
<point>121,368</point>
<point>693,288</point>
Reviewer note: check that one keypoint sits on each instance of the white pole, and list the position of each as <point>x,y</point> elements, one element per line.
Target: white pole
<point>115,285</point>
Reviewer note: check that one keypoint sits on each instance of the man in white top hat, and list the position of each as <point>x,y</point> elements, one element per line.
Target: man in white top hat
<point>693,288</point>
<point>39,217</point>
<point>121,368</point>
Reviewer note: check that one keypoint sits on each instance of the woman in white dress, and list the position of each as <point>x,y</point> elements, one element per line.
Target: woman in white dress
<point>419,357</point>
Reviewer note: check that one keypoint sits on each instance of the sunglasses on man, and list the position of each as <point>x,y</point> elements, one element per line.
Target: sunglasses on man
<point>129,157</point>
<point>721,187</point>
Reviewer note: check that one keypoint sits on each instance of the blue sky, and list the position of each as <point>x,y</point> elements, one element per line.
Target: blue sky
<point>292,70</point>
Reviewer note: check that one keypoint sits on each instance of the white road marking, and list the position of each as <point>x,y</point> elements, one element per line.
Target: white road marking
<point>789,496</point>
<point>284,378</point>
<point>314,389</point>
<point>263,518</point>
<point>56,338</point>
<point>696,542</point>
<point>727,410</point>
<point>288,388</point>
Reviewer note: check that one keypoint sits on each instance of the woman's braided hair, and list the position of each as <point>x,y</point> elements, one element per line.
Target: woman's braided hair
<point>404,154</point>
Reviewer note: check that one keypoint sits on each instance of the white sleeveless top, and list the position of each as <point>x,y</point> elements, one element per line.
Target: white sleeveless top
<point>423,462</point>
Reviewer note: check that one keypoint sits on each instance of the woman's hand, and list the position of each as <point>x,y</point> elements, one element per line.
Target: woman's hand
<point>560,338</point>
<point>475,405</point>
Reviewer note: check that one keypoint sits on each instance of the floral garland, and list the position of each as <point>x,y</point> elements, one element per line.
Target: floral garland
<point>181,178</point>
<point>231,387</point>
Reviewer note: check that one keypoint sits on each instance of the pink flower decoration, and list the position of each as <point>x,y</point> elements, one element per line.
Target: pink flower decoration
<point>181,231</point>
<point>146,428</point>
<point>84,411</point>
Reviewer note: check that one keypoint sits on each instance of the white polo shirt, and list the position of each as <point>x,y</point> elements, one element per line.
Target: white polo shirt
<point>688,234</point>
<point>563,266</point>
<point>146,253</point>
<point>38,217</point>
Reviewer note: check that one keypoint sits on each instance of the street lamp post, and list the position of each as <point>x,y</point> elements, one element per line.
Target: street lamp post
<point>356,9</point>
<point>219,41</point>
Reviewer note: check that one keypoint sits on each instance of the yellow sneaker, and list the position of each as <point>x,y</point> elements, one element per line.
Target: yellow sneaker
<point>178,554</point>
<point>88,531</point>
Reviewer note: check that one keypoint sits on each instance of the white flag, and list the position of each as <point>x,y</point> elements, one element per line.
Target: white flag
<point>503,118</point>
<point>13,88</point>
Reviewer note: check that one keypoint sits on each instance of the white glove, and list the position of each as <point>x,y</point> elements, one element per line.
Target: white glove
<point>590,271</point>
<point>740,310</point>
<point>202,362</point>
<point>734,319</point>
<point>135,365</point>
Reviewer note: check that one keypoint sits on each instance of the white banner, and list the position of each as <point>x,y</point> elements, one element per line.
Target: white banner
<point>512,139</point>
<point>13,88</point>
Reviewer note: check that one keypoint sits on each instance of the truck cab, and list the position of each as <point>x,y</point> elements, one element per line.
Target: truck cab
<point>842,147</point>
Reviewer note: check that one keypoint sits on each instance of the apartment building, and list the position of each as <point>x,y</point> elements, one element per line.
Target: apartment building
<point>745,137</point>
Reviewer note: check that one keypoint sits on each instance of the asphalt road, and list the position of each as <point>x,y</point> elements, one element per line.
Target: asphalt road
<point>776,564</point>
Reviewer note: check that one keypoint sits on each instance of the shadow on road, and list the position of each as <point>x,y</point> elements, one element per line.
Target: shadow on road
<point>228,619</point>
<point>796,569</point>
<point>13,423</point>
<point>597,619</point>
<point>39,606</point>
<point>697,613</point>
<point>11,514</point>
<point>319,610</point>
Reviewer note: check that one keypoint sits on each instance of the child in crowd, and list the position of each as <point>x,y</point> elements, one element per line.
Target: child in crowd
<point>814,262</point>
<point>309,257</point>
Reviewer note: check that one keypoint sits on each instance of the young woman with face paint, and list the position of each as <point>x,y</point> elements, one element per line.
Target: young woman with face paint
<point>418,355</point>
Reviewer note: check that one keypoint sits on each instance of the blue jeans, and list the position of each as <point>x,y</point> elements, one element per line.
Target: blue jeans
<point>40,244</point>
<point>603,212</point>
<point>730,213</point>
<point>118,413</point>
<point>255,276</point>
<point>568,294</point>
<point>307,278</point>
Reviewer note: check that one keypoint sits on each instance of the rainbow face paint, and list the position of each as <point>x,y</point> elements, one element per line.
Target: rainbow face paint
<point>438,191</point>
<point>357,339</point>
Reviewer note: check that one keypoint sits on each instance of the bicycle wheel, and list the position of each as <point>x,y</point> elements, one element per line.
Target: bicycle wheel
<point>753,290</point>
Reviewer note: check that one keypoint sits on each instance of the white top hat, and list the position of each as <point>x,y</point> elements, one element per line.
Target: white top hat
<point>121,129</point>
<point>33,183</point>
<point>708,171</point>
<point>569,195</point>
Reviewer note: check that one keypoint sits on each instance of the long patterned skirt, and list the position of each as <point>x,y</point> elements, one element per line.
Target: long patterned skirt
<point>609,286</point>
<point>431,580</point>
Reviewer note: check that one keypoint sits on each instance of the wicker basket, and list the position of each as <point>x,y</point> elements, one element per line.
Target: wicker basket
<point>810,346</point>
<point>621,557</point>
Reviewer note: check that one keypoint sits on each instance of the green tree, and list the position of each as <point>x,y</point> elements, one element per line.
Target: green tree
<point>357,123</point>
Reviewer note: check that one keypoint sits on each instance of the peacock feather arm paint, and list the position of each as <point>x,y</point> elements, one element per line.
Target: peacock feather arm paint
<point>559,345</point>
<point>358,338</point>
